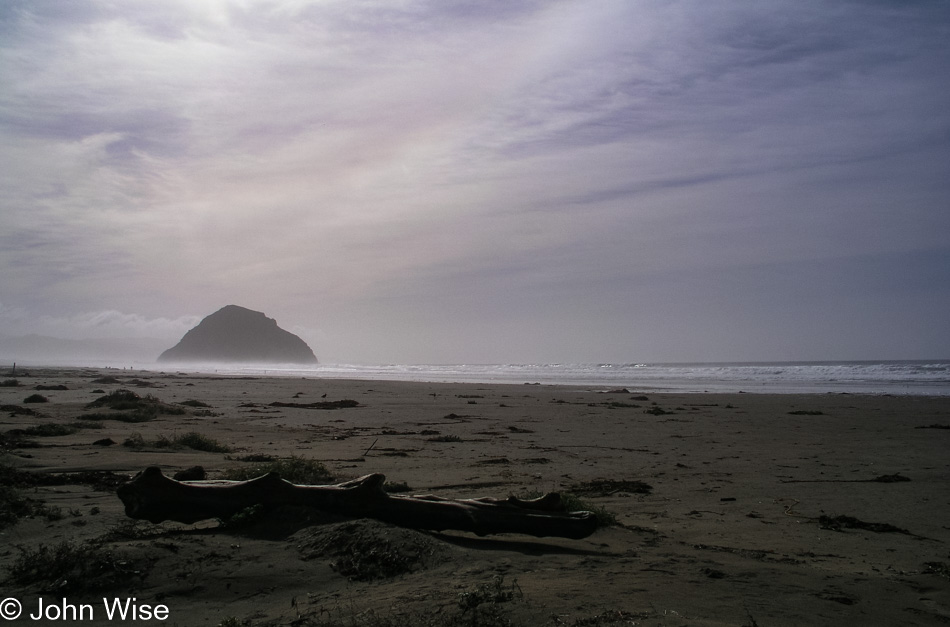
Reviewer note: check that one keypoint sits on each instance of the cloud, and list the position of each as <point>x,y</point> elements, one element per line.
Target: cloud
<point>312,159</point>
<point>94,324</point>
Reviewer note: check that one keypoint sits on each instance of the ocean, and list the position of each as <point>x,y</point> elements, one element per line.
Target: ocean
<point>923,377</point>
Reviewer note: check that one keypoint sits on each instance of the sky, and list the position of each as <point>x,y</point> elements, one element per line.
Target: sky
<point>482,181</point>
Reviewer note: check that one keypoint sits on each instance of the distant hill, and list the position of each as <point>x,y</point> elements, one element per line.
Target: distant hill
<point>236,334</point>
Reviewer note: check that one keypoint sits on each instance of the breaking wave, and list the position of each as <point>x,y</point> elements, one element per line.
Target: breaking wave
<point>885,377</point>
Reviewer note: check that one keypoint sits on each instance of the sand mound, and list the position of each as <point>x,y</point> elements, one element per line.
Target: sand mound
<point>363,550</point>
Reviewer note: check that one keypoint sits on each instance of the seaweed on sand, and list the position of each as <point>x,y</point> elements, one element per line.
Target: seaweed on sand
<point>839,523</point>
<point>608,487</point>
<point>341,404</point>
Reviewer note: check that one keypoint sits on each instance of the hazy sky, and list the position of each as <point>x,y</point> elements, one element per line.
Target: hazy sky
<point>490,181</point>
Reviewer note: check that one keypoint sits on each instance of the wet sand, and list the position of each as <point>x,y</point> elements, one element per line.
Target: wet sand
<point>761,509</point>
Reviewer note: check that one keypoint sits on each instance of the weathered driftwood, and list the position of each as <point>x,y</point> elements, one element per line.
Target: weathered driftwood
<point>152,496</point>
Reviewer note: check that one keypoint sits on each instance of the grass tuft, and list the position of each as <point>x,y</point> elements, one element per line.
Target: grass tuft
<point>445,438</point>
<point>485,605</point>
<point>200,442</point>
<point>573,503</point>
<point>131,407</point>
<point>49,430</point>
<point>14,506</point>
<point>293,469</point>
<point>395,487</point>
<point>70,567</point>
<point>192,440</point>
<point>143,415</point>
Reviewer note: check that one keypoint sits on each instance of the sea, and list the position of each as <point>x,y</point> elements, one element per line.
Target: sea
<point>920,378</point>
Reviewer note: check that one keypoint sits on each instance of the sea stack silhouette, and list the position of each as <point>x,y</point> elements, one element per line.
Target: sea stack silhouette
<point>236,334</point>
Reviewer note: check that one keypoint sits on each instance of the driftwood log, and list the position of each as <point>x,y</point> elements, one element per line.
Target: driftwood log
<point>152,496</point>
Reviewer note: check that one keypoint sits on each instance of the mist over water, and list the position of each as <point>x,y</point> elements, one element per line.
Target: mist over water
<point>926,377</point>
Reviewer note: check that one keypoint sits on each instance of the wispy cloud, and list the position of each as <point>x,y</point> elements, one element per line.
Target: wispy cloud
<point>325,161</point>
<point>94,324</point>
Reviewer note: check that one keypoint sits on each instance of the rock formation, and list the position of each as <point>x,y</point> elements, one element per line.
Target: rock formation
<point>236,334</point>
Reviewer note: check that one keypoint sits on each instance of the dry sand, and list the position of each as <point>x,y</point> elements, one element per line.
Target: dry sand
<point>729,534</point>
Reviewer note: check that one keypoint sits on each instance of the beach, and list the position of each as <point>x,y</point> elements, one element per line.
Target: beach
<point>728,509</point>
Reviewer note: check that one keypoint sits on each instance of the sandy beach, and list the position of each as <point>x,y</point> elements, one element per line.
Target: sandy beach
<point>729,509</point>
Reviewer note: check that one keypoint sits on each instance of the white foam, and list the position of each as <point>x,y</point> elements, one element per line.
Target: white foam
<point>886,377</point>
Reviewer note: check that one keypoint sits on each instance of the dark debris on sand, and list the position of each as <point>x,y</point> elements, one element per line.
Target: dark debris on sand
<point>608,487</point>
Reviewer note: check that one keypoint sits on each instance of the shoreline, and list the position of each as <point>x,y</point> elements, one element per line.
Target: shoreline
<point>697,383</point>
<point>729,530</point>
